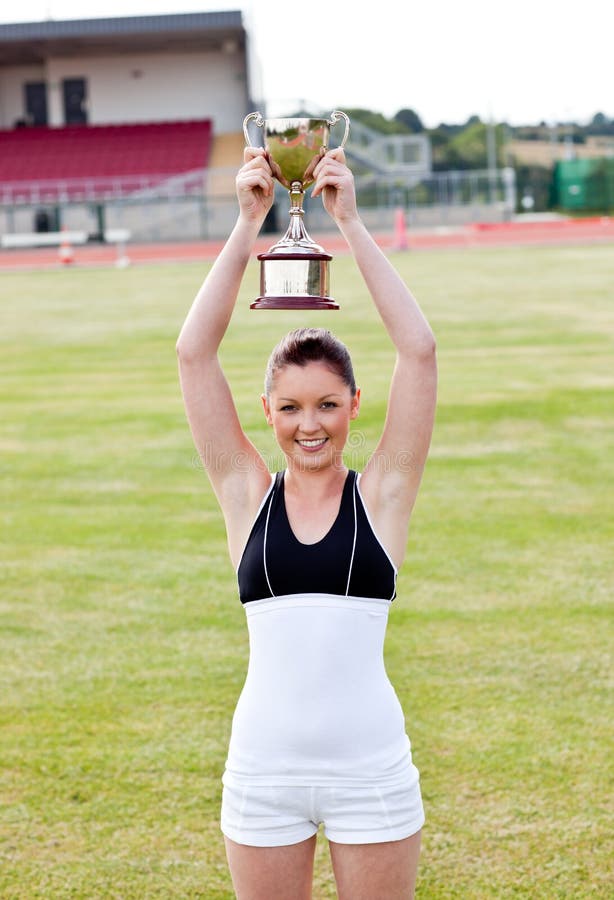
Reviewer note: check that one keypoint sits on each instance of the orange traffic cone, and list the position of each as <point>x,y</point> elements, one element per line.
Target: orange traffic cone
<point>66,252</point>
<point>400,231</point>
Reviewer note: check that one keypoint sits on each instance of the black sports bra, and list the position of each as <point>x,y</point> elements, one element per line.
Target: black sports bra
<point>348,561</point>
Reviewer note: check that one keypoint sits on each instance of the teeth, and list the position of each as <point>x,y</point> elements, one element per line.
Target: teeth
<point>312,443</point>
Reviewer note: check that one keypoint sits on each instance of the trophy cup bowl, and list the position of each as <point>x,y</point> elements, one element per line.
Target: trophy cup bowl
<point>294,271</point>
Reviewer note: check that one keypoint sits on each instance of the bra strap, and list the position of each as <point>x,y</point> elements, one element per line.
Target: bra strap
<point>266,532</point>
<point>347,587</point>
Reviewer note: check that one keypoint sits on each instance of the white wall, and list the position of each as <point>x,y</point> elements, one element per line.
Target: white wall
<point>12,92</point>
<point>155,87</point>
<point>140,88</point>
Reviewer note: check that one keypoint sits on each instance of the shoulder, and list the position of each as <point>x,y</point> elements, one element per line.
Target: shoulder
<point>242,494</point>
<point>242,506</point>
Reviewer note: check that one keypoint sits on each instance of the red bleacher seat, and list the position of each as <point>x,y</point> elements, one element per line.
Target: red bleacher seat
<point>155,150</point>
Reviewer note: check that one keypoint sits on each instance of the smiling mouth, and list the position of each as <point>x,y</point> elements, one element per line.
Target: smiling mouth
<point>313,444</point>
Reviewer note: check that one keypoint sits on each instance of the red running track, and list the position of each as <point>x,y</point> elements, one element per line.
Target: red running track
<point>503,234</point>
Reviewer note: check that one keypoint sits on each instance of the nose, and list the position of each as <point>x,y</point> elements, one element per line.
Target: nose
<point>310,422</point>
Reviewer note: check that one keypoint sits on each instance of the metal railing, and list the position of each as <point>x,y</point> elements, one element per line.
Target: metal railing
<point>203,205</point>
<point>100,188</point>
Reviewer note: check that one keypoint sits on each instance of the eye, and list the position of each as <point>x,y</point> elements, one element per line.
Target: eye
<point>287,408</point>
<point>329,404</point>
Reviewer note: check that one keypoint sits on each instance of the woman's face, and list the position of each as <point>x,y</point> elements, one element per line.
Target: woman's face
<point>310,408</point>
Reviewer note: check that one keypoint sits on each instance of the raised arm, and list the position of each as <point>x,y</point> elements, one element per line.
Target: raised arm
<point>236,470</point>
<point>392,476</point>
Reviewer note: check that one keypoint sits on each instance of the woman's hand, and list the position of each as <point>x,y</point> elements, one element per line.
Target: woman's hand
<point>335,182</point>
<point>255,186</point>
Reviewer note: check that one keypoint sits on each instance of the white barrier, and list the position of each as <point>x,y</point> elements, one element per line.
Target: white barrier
<point>117,236</point>
<point>43,239</point>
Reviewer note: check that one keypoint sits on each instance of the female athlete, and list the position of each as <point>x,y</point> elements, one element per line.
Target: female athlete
<point>318,734</point>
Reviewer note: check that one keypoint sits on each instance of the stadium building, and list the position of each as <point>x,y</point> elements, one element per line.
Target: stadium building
<point>125,70</point>
<point>102,119</point>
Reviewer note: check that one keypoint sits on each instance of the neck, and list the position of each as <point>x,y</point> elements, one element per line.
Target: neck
<point>318,483</point>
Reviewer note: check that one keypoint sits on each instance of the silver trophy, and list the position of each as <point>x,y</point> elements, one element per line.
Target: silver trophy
<point>294,271</point>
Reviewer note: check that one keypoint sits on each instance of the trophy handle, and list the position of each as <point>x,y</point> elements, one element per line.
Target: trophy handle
<point>334,118</point>
<point>259,122</point>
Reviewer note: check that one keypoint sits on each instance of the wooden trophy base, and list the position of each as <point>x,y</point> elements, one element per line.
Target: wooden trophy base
<point>294,302</point>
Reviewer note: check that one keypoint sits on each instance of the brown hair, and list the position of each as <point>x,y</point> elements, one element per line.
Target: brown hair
<point>305,345</point>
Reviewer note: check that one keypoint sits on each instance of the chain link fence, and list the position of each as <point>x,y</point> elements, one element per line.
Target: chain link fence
<point>193,210</point>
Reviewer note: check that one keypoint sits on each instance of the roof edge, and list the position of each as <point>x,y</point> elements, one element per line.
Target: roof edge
<point>56,28</point>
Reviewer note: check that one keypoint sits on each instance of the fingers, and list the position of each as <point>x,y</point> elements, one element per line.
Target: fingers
<point>250,153</point>
<point>332,161</point>
<point>338,153</point>
<point>256,172</point>
<point>335,183</point>
<point>254,180</point>
<point>331,171</point>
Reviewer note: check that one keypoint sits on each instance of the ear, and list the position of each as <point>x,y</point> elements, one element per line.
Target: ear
<point>267,409</point>
<point>355,407</point>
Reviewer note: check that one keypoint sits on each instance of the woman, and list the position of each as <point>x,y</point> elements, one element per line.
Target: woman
<point>318,733</point>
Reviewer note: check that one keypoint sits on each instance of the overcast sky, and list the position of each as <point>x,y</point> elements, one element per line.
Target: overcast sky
<point>524,62</point>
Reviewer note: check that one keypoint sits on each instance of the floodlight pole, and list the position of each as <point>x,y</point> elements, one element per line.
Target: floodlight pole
<point>491,152</point>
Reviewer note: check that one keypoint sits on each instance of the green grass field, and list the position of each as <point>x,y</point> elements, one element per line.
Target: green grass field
<point>123,642</point>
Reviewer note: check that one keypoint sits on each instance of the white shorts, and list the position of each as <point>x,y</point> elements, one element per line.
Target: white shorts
<point>267,816</point>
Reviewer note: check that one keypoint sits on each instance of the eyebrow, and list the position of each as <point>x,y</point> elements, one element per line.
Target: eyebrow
<point>293,400</point>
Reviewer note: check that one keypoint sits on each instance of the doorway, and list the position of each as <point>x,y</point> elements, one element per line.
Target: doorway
<point>75,101</point>
<point>36,102</point>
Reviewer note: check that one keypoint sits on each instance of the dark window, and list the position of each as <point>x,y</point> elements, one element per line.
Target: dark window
<point>36,103</point>
<point>75,105</point>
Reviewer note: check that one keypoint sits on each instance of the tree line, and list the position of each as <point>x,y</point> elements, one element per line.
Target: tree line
<point>464,146</point>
